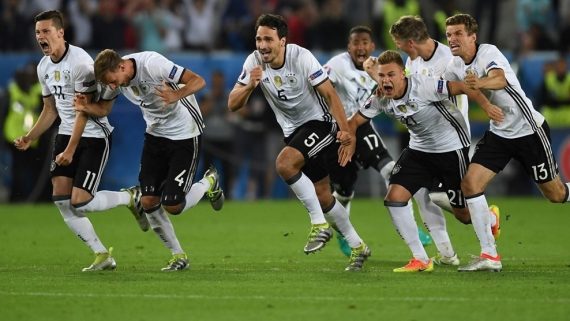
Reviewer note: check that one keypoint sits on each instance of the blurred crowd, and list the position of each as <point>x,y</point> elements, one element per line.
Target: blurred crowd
<point>243,145</point>
<point>203,25</point>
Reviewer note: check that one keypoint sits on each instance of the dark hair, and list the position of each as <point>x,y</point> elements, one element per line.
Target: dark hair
<point>410,28</point>
<point>273,21</point>
<point>360,29</point>
<point>55,16</point>
<point>391,56</point>
<point>468,21</point>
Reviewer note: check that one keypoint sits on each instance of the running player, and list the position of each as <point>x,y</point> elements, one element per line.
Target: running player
<point>438,148</point>
<point>523,135</point>
<point>82,144</point>
<point>312,118</point>
<point>172,139</point>
<point>354,86</point>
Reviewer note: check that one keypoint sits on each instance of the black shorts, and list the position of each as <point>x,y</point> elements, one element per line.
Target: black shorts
<point>316,140</point>
<point>415,169</point>
<point>370,149</point>
<point>370,152</point>
<point>88,162</point>
<point>168,167</point>
<point>533,151</point>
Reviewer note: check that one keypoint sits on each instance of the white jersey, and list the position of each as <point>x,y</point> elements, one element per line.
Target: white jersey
<point>73,73</point>
<point>354,86</point>
<point>521,118</point>
<point>179,120</point>
<point>290,89</point>
<point>433,120</point>
<point>434,67</point>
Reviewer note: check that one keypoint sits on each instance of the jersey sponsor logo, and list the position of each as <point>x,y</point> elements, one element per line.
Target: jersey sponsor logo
<point>173,72</point>
<point>491,64</point>
<point>396,169</point>
<point>278,81</point>
<point>316,75</point>
<point>266,80</point>
<point>46,77</point>
<point>440,86</point>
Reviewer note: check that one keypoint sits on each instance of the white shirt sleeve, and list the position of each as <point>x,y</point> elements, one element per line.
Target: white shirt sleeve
<point>164,69</point>
<point>312,69</point>
<point>84,78</point>
<point>248,65</point>
<point>372,107</point>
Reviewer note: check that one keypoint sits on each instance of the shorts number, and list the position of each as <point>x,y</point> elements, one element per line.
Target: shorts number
<point>180,178</point>
<point>539,172</point>
<point>89,180</point>
<point>372,141</point>
<point>311,140</point>
<point>455,197</point>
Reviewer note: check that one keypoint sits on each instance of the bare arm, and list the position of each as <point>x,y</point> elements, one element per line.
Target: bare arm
<point>100,108</point>
<point>344,135</point>
<point>457,87</point>
<point>66,157</point>
<point>240,94</point>
<point>45,120</point>
<point>192,83</point>
<point>494,80</point>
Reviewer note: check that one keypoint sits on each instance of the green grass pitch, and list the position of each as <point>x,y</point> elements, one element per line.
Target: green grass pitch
<point>247,263</point>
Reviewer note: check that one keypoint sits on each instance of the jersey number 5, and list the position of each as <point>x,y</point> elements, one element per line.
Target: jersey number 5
<point>281,95</point>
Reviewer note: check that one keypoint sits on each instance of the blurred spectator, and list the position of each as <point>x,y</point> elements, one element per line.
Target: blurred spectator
<point>14,27</point>
<point>250,147</point>
<point>300,16</point>
<point>149,23</point>
<point>332,23</point>
<point>444,10</point>
<point>390,12</point>
<point>24,106</point>
<point>555,93</point>
<point>235,20</point>
<point>79,14</point>
<point>492,7</point>
<point>202,21</point>
<point>110,27</point>
<point>219,133</point>
<point>173,14</point>
<point>537,24</point>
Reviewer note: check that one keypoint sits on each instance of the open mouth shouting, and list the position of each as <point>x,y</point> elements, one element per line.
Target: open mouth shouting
<point>45,46</point>
<point>388,89</point>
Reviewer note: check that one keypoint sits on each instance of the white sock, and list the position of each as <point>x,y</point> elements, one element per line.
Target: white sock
<point>161,225</point>
<point>344,201</point>
<point>341,219</point>
<point>196,192</point>
<point>405,225</point>
<point>104,200</point>
<point>567,191</point>
<point>80,225</point>
<point>434,221</point>
<point>386,171</point>
<point>480,218</point>
<point>440,199</point>
<point>305,192</point>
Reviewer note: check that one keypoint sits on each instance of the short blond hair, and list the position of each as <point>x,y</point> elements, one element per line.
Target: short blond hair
<point>107,60</point>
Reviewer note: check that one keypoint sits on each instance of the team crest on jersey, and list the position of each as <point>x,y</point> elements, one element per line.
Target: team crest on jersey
<point>278,81</point>
<point>66,75</point>
<point>57,75</point>
<point>291,80</point>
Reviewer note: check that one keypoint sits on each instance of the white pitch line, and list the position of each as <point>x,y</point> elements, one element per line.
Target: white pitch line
<point>282,298</point>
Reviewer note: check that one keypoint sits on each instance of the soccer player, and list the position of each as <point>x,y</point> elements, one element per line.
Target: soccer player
<point>312,118</point>
<point>354,86</point>
<point>523,134</point>
<point>427,56</point>
<point>438,148</point>
<point>82,144</point>
<point>164,91</point>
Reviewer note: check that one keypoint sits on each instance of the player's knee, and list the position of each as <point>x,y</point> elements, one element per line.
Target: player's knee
<point>173,209</point>
<point>150,204</point>
<point>556,196</point>
<point>467,187</point>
